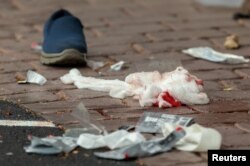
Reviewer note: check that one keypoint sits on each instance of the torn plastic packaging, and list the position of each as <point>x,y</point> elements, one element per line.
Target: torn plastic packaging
<point>144,149</point>
<point>151,122</point>
<point>34,78</point>
<point>117,139</point>
<point>51,145</point>
<point>214,56</point>
<point>87,126</point>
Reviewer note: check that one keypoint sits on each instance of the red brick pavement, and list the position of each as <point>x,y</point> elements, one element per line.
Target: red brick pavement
<point>135,31</point>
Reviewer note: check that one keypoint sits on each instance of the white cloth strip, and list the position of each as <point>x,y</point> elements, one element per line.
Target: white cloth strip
<point>26,123</point>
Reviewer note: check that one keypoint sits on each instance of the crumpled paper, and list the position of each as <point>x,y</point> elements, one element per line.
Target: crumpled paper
<point>214,56</point>
<point>197,138</point>
<point>169,89</point>
<point>146,148</point>
<point>51,145</point>
<point>117,139</point>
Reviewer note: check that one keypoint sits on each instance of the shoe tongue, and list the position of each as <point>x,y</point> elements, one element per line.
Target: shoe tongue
<point>56,15</point>
<point>66,25</point>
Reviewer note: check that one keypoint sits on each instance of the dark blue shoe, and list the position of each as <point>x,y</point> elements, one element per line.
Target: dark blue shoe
<point>64,40</point>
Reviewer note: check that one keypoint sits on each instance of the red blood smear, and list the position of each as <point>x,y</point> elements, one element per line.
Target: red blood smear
<point>126,156</point>
<point>199,82</point>
<point>178,129</point>
<point>167,97</point>
<point>156,104</point>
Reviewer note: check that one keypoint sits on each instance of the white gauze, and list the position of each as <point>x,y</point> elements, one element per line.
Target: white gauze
<point>150,88</point>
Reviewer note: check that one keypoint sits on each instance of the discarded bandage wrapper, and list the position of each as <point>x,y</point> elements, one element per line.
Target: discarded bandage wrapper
<point>146,148</point>
<point>113,140</point>
<point>151,122</point>
<point>169,89</point>
<point>214,56</point>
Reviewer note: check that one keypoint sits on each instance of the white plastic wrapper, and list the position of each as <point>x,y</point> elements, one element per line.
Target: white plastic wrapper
<point>117,139</point>
<point>51,145</point>
<point>34,78</point>
<point>117,66</point>
<point>146,148</point>
<point>197,138</point>
<point>169,89</point>
<point>214,56</point>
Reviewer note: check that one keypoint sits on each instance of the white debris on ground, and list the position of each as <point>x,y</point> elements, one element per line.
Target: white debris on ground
<point>36,46</point>
<point>169,89</point>
<point>117,66</point>
<point>94,65</point>
<point>214,56</point>
<point>34,78</point>
<point>197,138</point>
<point>117,139</point>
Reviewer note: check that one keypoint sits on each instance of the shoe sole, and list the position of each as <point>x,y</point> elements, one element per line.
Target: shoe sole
<point>67,57</point>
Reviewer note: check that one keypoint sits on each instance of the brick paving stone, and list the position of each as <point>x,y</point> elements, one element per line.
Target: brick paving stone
<point>198,64</point>
<point>174,45</point>
<point>236,141</point>
<point>239,31</point>
<point>52,106</point>
<point>227,130</point>
<point>215,74</point>
<point>116,40</point>
<point>203,24</point>
<point>187,34</point>
<point>223,106</point>
<point>239,84</point>
<point>14,88</point>
<point>8,78</point>
<point>217,118</point>
<point>194,164</point>
<point>243,126</point>
<point>76,94</point>
<point>173,158</point>
<point>161,66</point>
<point>132,29</point>
<point>31,97</point>
<point>13,67</point>
<point>212,86</point>
<point>229,95</point>
<point>115,49</point>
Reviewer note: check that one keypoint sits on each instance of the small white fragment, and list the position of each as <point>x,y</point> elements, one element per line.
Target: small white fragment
<point>214,56</point>
<point>9,153</point>
<point>36,47</point>
<point>94,65</point>
<point>117,66</point>
<point>26,123</point>
<point>35,78</point>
